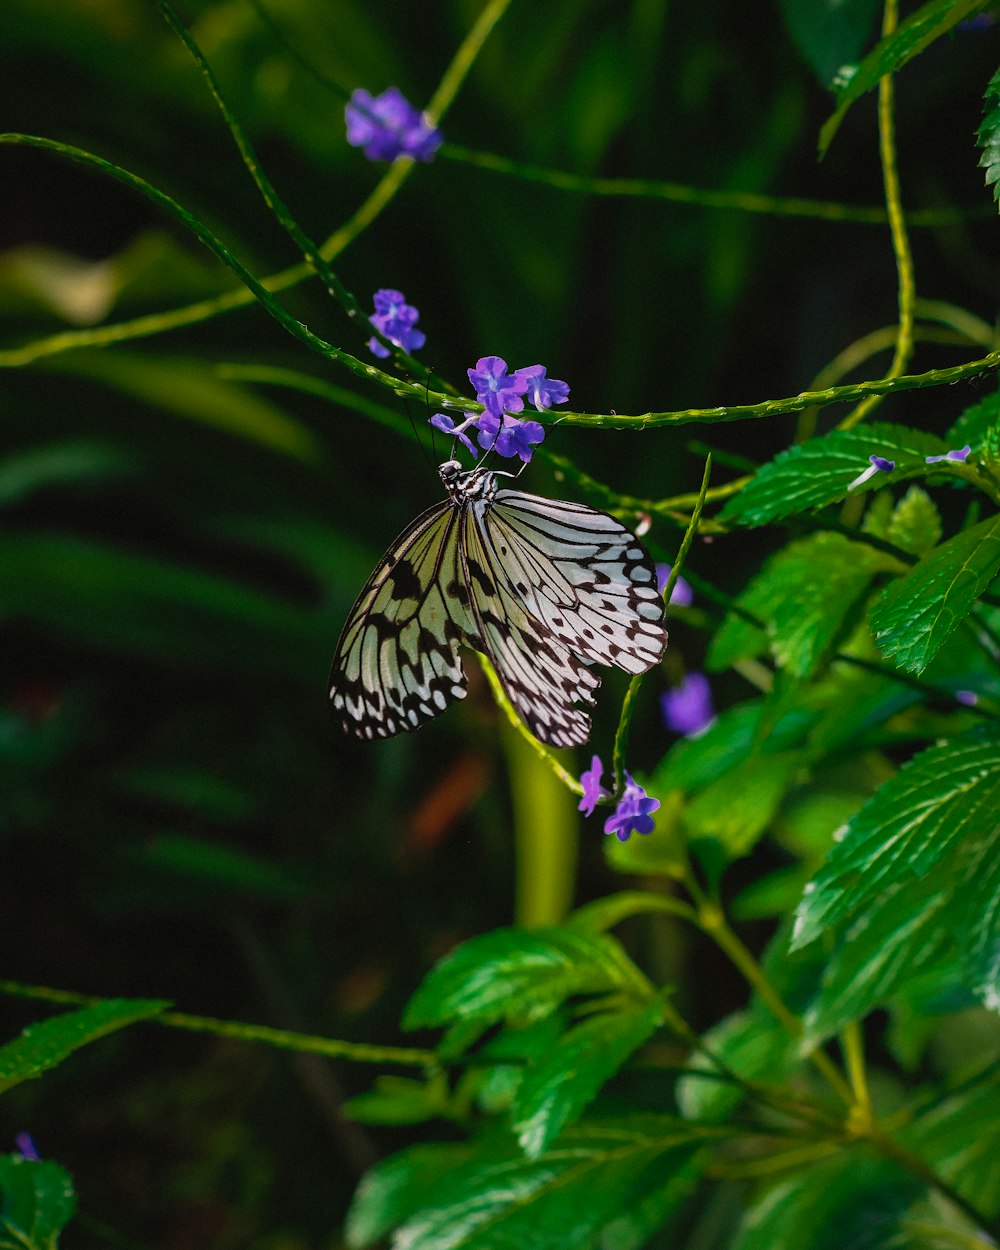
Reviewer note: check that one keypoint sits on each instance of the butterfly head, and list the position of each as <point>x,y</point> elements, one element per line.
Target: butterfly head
<point>465,485</point>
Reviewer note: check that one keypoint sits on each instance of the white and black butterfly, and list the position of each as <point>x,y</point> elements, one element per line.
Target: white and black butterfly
<point>543,588</point>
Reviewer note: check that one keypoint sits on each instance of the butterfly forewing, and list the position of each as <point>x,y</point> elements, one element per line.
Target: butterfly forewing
<point>583,575</point>
<point>397,661</point>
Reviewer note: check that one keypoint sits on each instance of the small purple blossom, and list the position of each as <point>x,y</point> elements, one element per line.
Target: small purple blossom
<point>441,421</point>
<point>592,788</point>
<point>633,813</point>
<point>968,697</point>
<point>26,1147</point>
<point>688,708</point>
<point>682,596</point>
<point>961,454</point>
<point>542,392</point>
<point>396,319</point>
<point>388,126</point>
<point>509,436</point>
<point>879,464</point>
<point>496,389</point>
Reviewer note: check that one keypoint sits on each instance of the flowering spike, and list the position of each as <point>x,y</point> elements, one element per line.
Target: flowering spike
<point>388,126</point>
<point>879,464</point>
<point>396,319</point>
<point>961,454</point>
<point>688,709</point>
<point>592,788</point>
<point>509,436</point>
<point>633,813</point>
<point>496,389</point>
<point>543,392</point>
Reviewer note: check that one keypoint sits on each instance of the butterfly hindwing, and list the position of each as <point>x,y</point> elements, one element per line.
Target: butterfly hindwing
<point>542,678</point>
<point>582,575</point>
<point>397,664</point>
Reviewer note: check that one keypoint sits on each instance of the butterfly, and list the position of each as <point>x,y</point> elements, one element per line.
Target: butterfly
<point>543,588</point>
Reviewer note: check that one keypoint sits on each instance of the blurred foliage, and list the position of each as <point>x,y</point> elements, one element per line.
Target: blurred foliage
<point>179,546</point>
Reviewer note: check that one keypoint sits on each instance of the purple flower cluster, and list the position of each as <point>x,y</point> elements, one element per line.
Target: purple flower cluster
<point>688,708</point>
<point>396,319</point>
<point>634,810</point>
<point>502,394</point>
<point>387,126</point>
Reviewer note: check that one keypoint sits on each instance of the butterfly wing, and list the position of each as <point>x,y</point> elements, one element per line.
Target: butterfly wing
<point>396,664</point>
<point>542,678</point>
<point>585,577</point>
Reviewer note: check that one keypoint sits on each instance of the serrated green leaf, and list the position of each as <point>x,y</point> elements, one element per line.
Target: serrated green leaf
<point>960,1138</point>
<point>738,808</point>
<point>395,1189</point>
<point>805,595</point>
<point>899,932</point>
<point>400,1100</point>
<point>558,1087</point>
<point>44,1045</point>
<point>853,1200</point>
<point>567,1197</point>
<point>36,1203</point>
<point>916,524</point>
<point>810,475</point>
<point>514,974</point>
<point>912,36</point>
<point>988,135</point>
<point>736,639</point>
<point>944,795</point>
<point>830,33</point>
<point>975,920</point>
<point>976,424</point>
<point>916,614</point>
<point>751,1044</point>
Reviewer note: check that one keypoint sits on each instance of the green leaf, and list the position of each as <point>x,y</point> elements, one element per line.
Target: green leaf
<point>916,614</point>
<point>219,867</point>
<point>556,1088</point>
<point>22,473</point>
<point>912,36</point>
<point>36,1203</point>
<point>805,596</point>
<point>735,640</point>
<point>975,919</point>
<point>810,475</point>
<point>960,1138</point>
<point>916,524</point>
<point>988,135</point>
<point>753,1045</point>
<point>567,1197</point>
<point>44,1045</point>
<point>830,33</point>
<point>135,605</point>
<point>940,798</point>
<point>513,974</point>
<point>852,1200</point>
<point>395,1189</point>
<point>401,1100</point>
<point>898,933</point>
<point>738,808</point>
<point>976,425</point>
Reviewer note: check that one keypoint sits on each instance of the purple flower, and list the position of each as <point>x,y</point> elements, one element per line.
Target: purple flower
<point>961,455</point>
<point>682,595</point>
<point>688,709</point>
<point>388,126</point>
<point>968,697</point>
<point>396,320</point>
<point>496,389</point>
<point>633,813</point>
<point>26,1147</point>
<point>592,788</point>
<point>543,392</point>
<point>509,436</point>
<point>879,464</point>
<point>441,421</point>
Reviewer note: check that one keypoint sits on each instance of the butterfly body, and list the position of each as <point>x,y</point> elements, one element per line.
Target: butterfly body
<point>543,588</point>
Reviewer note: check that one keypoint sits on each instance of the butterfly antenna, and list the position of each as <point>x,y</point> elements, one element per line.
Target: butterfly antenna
<point>419,438</point>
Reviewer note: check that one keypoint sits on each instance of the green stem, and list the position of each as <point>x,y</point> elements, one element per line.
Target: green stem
<point>897,228</point>
<point>283,1039</point>
<point>679,193</point>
